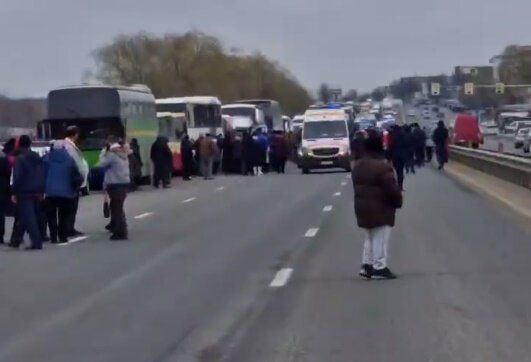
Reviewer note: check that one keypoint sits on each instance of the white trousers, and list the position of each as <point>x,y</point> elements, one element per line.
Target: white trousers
<point>375,247</point>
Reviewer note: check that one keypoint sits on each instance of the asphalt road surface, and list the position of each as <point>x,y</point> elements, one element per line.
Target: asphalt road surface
<point>265,269</point>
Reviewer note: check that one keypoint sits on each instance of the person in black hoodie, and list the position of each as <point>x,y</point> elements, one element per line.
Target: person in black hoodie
<point>187,155</point>
<point>29,182</point>
<point>162,158</point>
<point>440,138</point>
<point>409,139</point>
<point>248,154</point>
<point>398,153</point>
<point>5,185</point>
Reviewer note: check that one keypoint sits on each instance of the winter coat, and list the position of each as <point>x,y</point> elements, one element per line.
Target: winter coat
<point>208,148</point>
<point>357,146</point>
<point>29,174</point>
<point>420,138</point>
<point>187,152</point>
<point>440,136</point>
<point>62,173</point>
<point>115,162</point>
<point>376,192</point>
<point>161,154</point>
<point>279,147</point>
<point>5,177</point>
<point>398,148</point>
<point>77,156</point>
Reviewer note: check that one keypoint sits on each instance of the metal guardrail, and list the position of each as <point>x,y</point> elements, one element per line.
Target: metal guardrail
<point>513,169</point>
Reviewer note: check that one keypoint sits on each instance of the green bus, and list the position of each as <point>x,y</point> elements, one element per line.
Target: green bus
<point>100,111</point>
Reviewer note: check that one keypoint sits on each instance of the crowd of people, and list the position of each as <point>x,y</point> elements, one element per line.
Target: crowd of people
<point>408,147</point>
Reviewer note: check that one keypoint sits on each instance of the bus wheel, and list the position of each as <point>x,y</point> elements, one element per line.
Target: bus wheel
<point>305,170</point>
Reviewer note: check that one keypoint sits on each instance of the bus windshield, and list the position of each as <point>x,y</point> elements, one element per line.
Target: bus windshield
<point>93,132</point>
<point>325,129</point>
<point>171,107</point>
<point>243,112</point>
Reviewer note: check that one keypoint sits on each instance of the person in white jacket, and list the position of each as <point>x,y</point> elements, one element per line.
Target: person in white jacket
<point>70,144</point>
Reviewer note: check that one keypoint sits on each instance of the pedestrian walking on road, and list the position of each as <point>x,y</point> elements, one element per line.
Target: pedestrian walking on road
<point>357,145</point>
<point>29,182</point>
<point>429,146</point>
<point>409,140</point>
<point>5,186</point>
<point>420,145</point>
<point>63,182</point>
<point>440,138</point>
<point>377,195</point>
<point>228,153</point>
<point>70,142</point>
<point>279,152</point>
<point>115,161</point>
<point>398,153</point>
<point>208,151</point>
<point>249,154</point>
<point>162,159</point>
<point>187,155</point>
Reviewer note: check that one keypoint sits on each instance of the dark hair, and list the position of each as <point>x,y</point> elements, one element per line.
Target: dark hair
<point>72,131</point>
<point>440,124</point>
<point>9,146</point>
<point>374,143</point>
<point>24,141</point>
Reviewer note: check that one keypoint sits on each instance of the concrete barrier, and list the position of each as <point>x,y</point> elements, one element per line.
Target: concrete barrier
<point>513,169</point>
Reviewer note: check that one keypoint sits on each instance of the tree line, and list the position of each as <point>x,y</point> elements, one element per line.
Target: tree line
<point>194,63</point>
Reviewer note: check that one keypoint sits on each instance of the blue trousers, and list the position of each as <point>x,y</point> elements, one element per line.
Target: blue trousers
<point>28,211</point>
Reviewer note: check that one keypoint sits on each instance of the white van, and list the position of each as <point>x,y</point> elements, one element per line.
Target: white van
<point>325,140</point>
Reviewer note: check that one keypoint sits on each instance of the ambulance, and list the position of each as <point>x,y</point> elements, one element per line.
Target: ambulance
<point>325,140</point>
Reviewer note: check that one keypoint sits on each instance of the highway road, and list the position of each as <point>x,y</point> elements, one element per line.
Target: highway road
<point>265,269</point>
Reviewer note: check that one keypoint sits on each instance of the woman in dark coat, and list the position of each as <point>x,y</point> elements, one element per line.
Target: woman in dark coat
<point>187,154</point>
<point>249,150</point>
<point>162,158</point>
<point>440,138</point>
<point>135,164</point>
<point>376,197</point>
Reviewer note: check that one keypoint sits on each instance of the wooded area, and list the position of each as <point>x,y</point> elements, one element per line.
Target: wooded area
<point>197,64</point>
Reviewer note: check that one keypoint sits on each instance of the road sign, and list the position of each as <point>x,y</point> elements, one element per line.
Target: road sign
<point>469,89</point>
<point>435,89</point>
<point>500,88</point>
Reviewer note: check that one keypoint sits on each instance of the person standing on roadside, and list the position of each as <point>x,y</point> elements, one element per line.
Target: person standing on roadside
<point>248,154</point>
<point>63,182</point>
<point>376,197</point>
<point>29,182</point>
<point>279,151</point>
<point>187,155</point>
<point>135,164</point>
<point>208,150</point>
<point>440,138</point>
<point>162,162</point>
<point>70,142</point>
<point>398,153</point>
<point>115,161</point>
<point>5,185</point>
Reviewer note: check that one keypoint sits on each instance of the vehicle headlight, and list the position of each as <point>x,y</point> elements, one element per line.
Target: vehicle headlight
<point>344,150</point>
<point>303,151</point>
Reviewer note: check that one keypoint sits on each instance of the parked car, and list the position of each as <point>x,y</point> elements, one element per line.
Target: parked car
<point>465,131</point>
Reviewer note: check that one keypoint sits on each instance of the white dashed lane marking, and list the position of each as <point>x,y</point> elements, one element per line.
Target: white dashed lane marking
<point>221,188</point>
<point>144,215</point>
<point>337,194</point>
<point>344,183</point>
<point>189,200</point>
<point>311,232</point>
<point>281,278</point>
<point>327,208</point>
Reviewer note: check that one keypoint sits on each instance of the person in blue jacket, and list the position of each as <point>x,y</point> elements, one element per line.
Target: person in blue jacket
<point>63,182</point>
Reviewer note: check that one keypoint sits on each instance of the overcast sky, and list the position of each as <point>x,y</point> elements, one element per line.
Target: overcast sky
<point>347,43</point>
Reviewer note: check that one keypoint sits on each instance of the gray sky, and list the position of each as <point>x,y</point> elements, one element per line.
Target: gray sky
<point>348,43</point>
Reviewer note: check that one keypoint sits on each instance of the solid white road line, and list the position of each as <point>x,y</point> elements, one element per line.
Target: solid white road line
<point>311,232</point>
<point>327,208</point>
<point>189,200</point>
<point>221,188</point>
<point>74,240</point>
<point>337,194</point>
<point>144,215</point>
<point>281,278</point>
